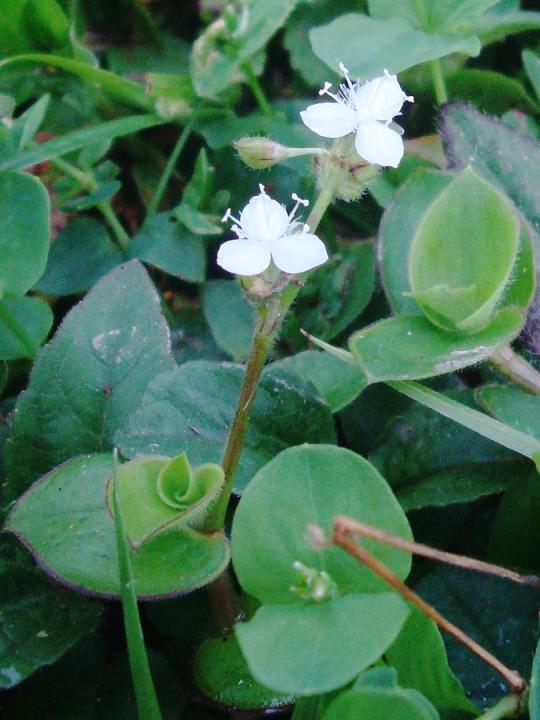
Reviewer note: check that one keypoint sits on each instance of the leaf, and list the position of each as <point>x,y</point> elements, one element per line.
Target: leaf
<point>89,379</point>
<point>419,656</point>
<point>24,232</point>
<point>222,674</point>
<point>489,91</point>
<point>163,242</point>
<point>451,16</point>
<point>337,381</point>
<point>317,647</point>
<point>64,521</point>
<point>81,254</point>
<point>409,347</point>
<point>231,317</point>
<point>325,615</point>
<point>381,704</point>
<point>485,608</point>
<point>190,410</point>
<point>495,26</point>
<point>24,324</point>
<point>391,43</point>
<point>79,139</point>
<point>432,461</point>
<point>507,158</point>
<point>39,620</point>
<point>158,492</point>
<point>513,406</point>
<point>463,253</point>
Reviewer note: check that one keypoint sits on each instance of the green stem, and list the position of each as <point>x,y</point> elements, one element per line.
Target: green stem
<point>145,692</point>
<point>153,205</point>
<point>508,707</point>
<point>256,88</point>
<point>516,368</point>
<point>439,85</point>
<point>87,181</point>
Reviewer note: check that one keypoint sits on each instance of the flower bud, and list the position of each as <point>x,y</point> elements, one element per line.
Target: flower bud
<point>260,152</point>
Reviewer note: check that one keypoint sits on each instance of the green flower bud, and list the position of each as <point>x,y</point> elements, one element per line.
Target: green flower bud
<point>260,152</point>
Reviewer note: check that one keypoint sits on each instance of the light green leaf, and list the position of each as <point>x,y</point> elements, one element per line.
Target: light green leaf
<point>90,378</point>
<point>24,232</point>
<point>531,61</point>
<point>381,704</point>
<point>24,324</point>
<point>463,253</point>
<point>392,44</point>
<point>64,521</point>
<point>513,406</point>
<point>190,410</point>
<point>449,16</point>
<point>409,347</point>
<point>534,696</point>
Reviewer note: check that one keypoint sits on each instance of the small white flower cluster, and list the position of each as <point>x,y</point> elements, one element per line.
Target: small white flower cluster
<point>366,109</point>
<point>266,232</point>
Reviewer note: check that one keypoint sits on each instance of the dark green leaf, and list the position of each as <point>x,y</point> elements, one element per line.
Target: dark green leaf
<point>489,91</point>
<point>191,408</point>
<point>90,377</point>
<point>381,704</point>
<point>24,324</point>
<point>231,317</point>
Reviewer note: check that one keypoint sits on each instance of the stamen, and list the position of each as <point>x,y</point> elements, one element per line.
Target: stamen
<point>227,215</point>
<point>298,201</point>
<point>325,91</point>
<point>261,189</point>
<point>347,75</point>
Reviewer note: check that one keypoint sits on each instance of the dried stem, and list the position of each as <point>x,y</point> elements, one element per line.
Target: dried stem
<point>342,537</point>
<point>346,525</point>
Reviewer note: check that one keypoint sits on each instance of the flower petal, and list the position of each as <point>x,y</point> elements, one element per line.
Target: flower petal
<point>378,144</point>
<point>298,252</point>
<point>380,99</point>
<point>243,257</point>
<point>330,120</point>
<point>264,219</point>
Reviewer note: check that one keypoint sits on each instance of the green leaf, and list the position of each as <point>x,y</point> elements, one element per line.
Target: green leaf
<point>431,460</point>
<point>317,647</point>
<point>513,406</point>
<point>24,324</point>
<point>381,704</point>
<point>222,674</point>
<point>409,347</point>
<point>325,615</point>
<point>40,620</point>
<point>463,253</point>
<point>534,695</point>
<point>495,26</point>
<point>484,607</point>
<point>531,61</point>
<point>64,521</point>
<point>489,91</point>
<point>163,242</point>
<point>338,382</point>
<point>190,410</point>
<point>506,157</point>
<point>451,16</point>
<point>231,317</point>
<point>81,254</point>
<point>157,493</point>
<point>90,378</point>
<point>515,537</point>
<point>419,656</point>
<point>397,230</point>
<point>24,232</point>
<point>391,43</point>
<point>79,139</point>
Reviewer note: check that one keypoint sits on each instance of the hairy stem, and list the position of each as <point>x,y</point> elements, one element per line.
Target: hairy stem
<point>516,368</point>
<point>342,538</point>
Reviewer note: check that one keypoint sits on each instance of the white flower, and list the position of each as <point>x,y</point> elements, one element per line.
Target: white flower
<point>366,109</point>
<point>267,232</point>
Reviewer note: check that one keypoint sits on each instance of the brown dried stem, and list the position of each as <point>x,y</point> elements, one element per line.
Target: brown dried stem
<point>342,536</point>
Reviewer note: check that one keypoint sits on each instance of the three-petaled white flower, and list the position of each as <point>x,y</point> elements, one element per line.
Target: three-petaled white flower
<point>366,109</point>
<point>267,232</point>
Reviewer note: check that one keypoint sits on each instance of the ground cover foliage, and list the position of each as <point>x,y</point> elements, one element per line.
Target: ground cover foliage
<point>181,424</point>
